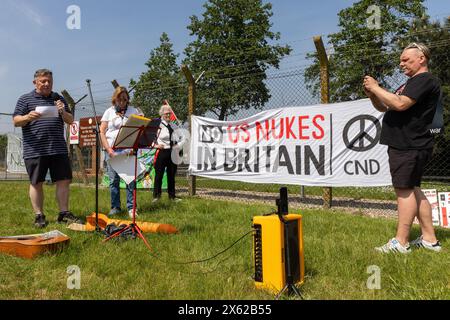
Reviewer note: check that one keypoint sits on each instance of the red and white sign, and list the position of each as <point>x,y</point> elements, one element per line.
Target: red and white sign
<point>444,208</point>
<point>431,195</point>
<point>75,132</point>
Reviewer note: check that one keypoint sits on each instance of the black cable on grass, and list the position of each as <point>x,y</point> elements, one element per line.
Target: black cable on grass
<point>201,260</point>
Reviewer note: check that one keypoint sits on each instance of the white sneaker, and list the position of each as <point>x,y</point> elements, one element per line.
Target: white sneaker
<point>420,243</point>
<point>130,213</point>
<point>393,246</point>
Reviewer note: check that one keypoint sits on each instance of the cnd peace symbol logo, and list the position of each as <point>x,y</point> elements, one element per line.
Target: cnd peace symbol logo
<point>362,140</point>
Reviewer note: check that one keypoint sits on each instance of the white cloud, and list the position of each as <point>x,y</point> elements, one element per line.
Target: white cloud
<point>27,11</point>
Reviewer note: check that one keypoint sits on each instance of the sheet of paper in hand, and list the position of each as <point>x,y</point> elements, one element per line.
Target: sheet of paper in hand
<point>123,164</point>
<point>47,111</point>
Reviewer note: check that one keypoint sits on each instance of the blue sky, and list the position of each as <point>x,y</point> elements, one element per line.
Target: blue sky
<point>116,38</point>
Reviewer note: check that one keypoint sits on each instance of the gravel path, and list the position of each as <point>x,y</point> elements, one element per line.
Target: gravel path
<point>371,208</point>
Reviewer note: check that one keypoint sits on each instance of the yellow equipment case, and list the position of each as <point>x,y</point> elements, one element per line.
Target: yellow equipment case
<point>278,253</point>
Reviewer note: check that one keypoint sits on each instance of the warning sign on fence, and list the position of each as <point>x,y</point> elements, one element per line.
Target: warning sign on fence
<point>87,131</point>
<point>444,208</point>
<point>74,132</point>
<point>432,197</point>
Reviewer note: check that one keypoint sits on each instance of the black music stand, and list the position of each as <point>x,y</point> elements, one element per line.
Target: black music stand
<point>137,133</point>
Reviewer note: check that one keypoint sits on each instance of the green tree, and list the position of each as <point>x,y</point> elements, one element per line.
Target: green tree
<point>233,48</point>
<point>163,80</point>
<point>362,47</point>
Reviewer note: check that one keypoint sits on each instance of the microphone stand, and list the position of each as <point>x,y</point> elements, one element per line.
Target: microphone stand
<point>97,154</point>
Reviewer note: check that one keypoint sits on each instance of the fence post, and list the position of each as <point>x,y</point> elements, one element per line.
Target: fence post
<point>72,104</point>
<point>324,98</point>
<point>187,73</point>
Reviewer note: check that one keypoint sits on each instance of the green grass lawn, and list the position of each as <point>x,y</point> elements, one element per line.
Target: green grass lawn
<point>338,253</point>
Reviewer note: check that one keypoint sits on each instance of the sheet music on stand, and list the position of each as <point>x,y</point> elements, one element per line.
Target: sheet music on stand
<point>137,133</point>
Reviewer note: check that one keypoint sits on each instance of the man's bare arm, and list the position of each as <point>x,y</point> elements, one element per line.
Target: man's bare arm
<point>22,121</point>
<point>391,100</point>
<point>376,102</point>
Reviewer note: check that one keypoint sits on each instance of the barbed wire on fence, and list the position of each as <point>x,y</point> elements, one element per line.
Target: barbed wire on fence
<point>297,54</point>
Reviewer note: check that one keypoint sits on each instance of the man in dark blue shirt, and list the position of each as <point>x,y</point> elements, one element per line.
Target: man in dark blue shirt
<point>42,114</point>
<point>409,114</point>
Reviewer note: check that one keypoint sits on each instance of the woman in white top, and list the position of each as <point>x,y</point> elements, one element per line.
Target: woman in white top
<point>165,144</point>
<point>113,118</point>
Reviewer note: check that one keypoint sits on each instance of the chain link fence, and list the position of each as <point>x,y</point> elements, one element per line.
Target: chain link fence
<point>437,172</point>
<point>290,89</point>
<point>287,88</point>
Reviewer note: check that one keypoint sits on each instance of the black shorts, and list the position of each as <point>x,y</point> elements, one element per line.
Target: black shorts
<point>59,166</point>
<point>407,166</point>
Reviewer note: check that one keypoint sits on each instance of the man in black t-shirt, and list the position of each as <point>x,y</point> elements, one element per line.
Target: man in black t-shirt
<point>409,113</point>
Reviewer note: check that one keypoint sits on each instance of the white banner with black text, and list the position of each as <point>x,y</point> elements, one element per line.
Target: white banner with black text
<point>331,145</point>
